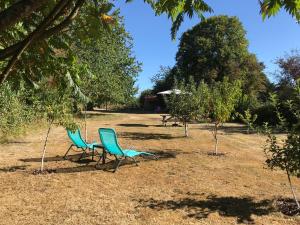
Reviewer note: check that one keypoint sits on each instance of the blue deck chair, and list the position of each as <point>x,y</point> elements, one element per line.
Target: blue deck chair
<point>79,143</point>
<point>110,143</point>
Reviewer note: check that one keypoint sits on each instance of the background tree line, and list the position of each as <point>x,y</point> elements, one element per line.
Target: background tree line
<point>217,48</point>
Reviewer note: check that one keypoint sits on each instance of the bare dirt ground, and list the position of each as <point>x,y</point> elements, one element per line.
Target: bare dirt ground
<point>185,186</point>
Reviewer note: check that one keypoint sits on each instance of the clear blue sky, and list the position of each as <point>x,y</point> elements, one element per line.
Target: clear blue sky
<point>153,46</point>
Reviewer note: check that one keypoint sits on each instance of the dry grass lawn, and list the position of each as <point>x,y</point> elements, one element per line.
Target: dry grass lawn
<point>185,186</point>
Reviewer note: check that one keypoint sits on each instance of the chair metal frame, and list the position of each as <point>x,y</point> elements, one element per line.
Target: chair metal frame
<point>83,149</point>
<point>122,155</point>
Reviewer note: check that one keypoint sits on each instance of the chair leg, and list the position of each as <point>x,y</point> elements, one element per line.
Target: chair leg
<point>65,156</point>
<point>155,157</point>
<point>136,163</point>
<point>103,156</point>
<point>118,162</point>
<point>84,153</point>
<point>97,164</point>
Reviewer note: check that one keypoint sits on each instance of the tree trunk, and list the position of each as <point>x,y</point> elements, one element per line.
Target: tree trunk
<point>216,138</point>
<point>186,132</point>
<point>45,145</point>
<point>85,124</point>
<point>291,186</point>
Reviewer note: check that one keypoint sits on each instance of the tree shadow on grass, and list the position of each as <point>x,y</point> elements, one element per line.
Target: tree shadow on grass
<point>232,129</point>
<point>244,130</point>
<point>145,136</point>
<point>124,111</point>
<point>132,125</point>
<point>107,167</point>
<point>110,164</point>
<point>18,142</point>
<point>90,165</point>
<point>72,158</point>
<point>13,169</point>
<point>164,154</point>
<point>240,129</point>
<point>241,208</point>
<point>75,157</point>
<point>235,130</point>
<point>90,114</point>
<point>47,159</point>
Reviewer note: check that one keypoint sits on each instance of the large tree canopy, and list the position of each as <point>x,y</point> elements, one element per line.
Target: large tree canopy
<point>288,76</point>
<point>112,68</point>
<point>212,50</point>
<point>289,66</point>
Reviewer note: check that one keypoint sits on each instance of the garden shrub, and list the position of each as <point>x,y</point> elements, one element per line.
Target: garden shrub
<point>15,112</point>
<point>266,113</point>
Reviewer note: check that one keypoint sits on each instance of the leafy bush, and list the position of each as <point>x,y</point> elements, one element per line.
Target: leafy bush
<point>190,104</point>
<point>222,103</point>
<point>266,113</point>
<point>15,115</point>
<point>285,154</point>
<point>248,119</point>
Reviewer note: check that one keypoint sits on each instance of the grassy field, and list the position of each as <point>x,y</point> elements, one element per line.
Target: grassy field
<point>185,186</point>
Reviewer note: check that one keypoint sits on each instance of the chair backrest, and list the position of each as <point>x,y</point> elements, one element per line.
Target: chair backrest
<point>109,140</point>
<point>76,138</point>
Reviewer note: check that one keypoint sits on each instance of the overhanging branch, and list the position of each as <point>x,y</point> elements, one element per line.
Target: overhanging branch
<point>11,50</point>
<point>39,31</point>
<point>18,11</point>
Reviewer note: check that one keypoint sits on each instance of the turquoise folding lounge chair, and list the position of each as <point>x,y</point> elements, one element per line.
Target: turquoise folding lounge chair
<point>79,143</point>
<point>110,143</point>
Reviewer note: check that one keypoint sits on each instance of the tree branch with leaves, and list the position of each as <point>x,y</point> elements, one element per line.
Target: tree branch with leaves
<point>55,103</point>
<point>222,102</point>
<point>190,104</point>
<point>285,154</point>
<point>63,12</point>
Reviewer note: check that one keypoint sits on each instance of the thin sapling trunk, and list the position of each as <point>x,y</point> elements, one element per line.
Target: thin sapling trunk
<point>215,133</point>
<point>45,145</point>
<point>186,132</point>
<point>85,124</point>
<point>291,186</point>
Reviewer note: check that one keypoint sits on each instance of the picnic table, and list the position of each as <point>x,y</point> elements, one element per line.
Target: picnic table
<point>167,118</point>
